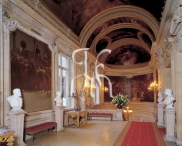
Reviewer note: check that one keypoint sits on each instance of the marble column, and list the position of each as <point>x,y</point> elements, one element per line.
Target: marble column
<point>59,117</point>
<point>170,124</point>
<point>17,124</point>
<point>119,114</point>
<point>160,115</point>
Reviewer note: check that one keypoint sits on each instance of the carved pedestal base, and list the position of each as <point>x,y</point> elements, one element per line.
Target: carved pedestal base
<point>17,124</point>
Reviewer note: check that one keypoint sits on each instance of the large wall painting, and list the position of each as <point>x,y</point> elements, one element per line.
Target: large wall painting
<point>136,87</point>
<point>31,70</point>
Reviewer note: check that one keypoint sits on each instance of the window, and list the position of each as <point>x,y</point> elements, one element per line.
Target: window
<point>63,73</point>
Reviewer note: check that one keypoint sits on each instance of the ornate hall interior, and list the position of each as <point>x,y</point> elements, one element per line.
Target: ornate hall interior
<point>78,55</point>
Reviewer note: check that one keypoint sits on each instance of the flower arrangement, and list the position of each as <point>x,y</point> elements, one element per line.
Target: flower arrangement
<point>120,100</point>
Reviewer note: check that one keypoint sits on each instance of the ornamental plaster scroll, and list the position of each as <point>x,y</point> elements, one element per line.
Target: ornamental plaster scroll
<point>159,59</point>
<point>166,52</point>
<point>11,25</point>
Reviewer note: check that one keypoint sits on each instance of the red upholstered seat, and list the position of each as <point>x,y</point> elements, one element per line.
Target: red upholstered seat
<point>40,127</point>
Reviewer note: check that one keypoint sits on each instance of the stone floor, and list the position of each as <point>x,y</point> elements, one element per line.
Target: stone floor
<point>94,133</point>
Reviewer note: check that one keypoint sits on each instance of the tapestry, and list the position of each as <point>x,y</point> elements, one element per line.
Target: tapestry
<point>136,88</point>
<point>31,70</point>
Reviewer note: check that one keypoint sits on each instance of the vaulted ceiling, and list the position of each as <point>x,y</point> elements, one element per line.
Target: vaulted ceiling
<point>127,27</point>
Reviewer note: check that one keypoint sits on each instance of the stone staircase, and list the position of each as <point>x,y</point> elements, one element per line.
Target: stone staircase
<point>143,111</point>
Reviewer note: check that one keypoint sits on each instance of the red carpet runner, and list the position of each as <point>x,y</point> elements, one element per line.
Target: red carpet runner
<point>140,134</point>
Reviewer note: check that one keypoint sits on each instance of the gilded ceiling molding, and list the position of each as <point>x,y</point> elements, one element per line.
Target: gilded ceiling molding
<point>123,42</point>
<point>120,11</point>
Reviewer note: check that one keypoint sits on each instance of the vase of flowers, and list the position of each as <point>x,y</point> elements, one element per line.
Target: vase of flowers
<point>120,100</point>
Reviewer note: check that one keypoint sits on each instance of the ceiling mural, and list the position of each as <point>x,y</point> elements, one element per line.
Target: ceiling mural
<point>76,14</point>
<point>129,54</point>
<point>79,12</point>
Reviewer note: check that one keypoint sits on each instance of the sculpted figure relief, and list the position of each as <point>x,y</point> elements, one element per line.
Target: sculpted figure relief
<point>15,100</point>
<point>160,98</point>
<point>58,99</point>
<point>169,99</point>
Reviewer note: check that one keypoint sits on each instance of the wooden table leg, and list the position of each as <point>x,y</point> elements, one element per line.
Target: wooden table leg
<point>78,121</point>
<point>67,120</point>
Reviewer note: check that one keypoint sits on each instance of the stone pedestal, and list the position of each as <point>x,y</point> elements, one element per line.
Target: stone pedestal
<point>83,106</point>
<point>160,114</point>
<point>17,124</point>
<point>119,114</point>
<point>170,123</point>
<point>59,117</point>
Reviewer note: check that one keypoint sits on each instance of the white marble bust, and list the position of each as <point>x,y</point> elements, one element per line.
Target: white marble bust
<point>160,98</point>
<point>15,100</point>
<point>169,99</point>
<point>58,99</point>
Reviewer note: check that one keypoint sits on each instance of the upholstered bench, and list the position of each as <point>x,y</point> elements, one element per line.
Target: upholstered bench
<point>98,114</point>
<point>41,127</point>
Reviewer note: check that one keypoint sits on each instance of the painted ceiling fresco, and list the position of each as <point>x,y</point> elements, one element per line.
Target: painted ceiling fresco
<point>128,54</point>
<point>76,13</point>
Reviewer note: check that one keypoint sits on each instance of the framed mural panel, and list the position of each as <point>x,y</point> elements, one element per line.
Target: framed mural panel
<point>31,70</point>
<point>136,87</point>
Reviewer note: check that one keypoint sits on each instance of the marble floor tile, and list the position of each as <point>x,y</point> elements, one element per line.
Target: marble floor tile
<point>94,133</point>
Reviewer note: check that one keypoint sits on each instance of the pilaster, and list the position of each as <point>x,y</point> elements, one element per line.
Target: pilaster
<point>1,66</point>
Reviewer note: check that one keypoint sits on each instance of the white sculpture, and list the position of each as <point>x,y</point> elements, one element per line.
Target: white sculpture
<point>15,100</point>
<point>82,98</point>
<point>160,98</point>
<point>58,99</point>
<point>169,99</point>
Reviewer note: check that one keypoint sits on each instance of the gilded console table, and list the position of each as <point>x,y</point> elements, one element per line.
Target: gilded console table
<point>7,138</point>
<point>77,115</point>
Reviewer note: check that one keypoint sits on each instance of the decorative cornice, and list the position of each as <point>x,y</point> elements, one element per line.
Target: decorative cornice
<point>49,17</point>
<point>21,14</point>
